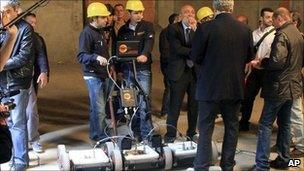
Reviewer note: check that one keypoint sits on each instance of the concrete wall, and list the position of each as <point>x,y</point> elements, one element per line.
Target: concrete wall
<point>250,8</point>
<point>148,4</point>
<point>61,21</point>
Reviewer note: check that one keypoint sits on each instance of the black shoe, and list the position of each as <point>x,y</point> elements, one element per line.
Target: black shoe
<point>243,127</point>
<point>169,139</point>
<point>279,164</point>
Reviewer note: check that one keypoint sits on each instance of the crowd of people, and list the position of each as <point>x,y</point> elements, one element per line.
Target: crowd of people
<point>211,55</point>
<point>220,72</point>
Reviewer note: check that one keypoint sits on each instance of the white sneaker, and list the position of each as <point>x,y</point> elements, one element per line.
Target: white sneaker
<point>37,147</point>
<point>215,168</point>
<point>190,169</point>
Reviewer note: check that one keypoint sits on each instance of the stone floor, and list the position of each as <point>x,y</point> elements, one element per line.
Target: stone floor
<point>63,108</point>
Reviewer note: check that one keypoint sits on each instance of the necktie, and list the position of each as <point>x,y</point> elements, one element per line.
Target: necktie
<point>187,36</point>
<point>188,41</point>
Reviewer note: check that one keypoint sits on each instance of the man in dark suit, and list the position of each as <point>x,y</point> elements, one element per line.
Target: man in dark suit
<point>164,54</point>
<point>180,71</point>
<point>222,47</point>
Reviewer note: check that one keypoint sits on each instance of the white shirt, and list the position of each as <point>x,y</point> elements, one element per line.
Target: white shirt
<point>185,28</point>
<point>265,47</point>
<point>132,27</point>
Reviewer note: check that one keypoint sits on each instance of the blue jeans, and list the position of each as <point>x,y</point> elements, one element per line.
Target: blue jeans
<point>17,125</point>
<point>32,115</point>
<point>142,120</point>
<point>296,119</point>
<point>97,107</point>
<point>273,109</point>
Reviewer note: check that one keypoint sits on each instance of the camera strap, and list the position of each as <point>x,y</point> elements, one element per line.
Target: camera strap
<point>256,47</point>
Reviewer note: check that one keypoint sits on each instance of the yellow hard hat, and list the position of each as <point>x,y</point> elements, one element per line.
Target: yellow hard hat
<point>97,9</point>
<point>203,12</point>
<point>135,5</point>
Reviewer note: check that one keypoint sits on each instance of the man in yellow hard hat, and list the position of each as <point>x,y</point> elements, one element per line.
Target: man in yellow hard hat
<point>138,29</point>
<point>204,14</point>
<point>93,55</point>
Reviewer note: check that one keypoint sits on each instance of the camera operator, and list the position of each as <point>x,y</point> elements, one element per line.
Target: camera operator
<point>17,75</point>
<point>5,137</point>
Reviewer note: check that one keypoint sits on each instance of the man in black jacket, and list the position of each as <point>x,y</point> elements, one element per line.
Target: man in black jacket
<point>93,55</point>
<point>181,73</point>
<point>164,49</point>
<point>282,83</point>
<point>17,75</point>
<point>40,78</point>
<point>220,82</point>
<point>138,29</point>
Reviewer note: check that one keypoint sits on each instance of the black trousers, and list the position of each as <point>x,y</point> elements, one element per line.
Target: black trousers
<point>6,144</point>
<point>252,87</point>
<point>186,84</point>
<point>207,114</point>
<point>166,95</point>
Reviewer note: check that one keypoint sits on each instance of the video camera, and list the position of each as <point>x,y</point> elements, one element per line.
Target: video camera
<point>9,104</point>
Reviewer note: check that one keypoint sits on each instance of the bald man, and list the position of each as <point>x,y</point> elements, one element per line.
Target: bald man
<point>281,85</point>
<point>180,71</point>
